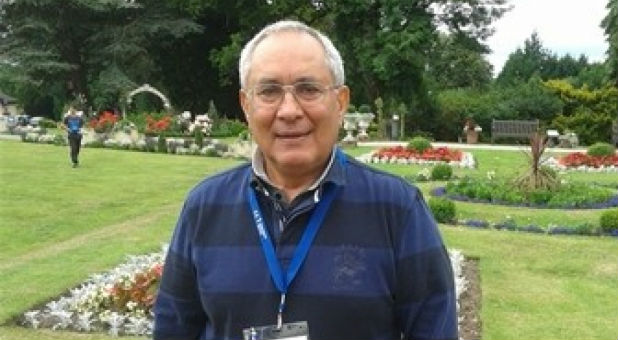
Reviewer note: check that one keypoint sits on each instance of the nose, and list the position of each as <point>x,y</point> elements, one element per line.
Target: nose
<point>290,107</point>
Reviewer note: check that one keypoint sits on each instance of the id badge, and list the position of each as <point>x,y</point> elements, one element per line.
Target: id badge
<point>288,331</point>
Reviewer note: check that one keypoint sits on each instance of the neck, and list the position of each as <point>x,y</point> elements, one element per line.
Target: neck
<point>292,181</point>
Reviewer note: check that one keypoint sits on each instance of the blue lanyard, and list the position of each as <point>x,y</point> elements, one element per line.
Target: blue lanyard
<point>281,281</point>
<point>302,249</point>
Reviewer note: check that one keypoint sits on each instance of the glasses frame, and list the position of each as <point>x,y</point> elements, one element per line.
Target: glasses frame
<point>291,88</point>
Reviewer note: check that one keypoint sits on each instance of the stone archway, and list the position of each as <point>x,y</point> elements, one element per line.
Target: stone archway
<point>147,88</point>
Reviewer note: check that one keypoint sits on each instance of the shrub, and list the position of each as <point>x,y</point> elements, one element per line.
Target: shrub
<point>199,138</point>
<point>364,108</point>
<point>601,150</point>
<point>609,220</point>
<point>59,139</point>
<point>211,152</point>
<point>161,144</point>
<point>244,136</point>
<point>585,229</point>
<point>589,126</point>
<point>419,144</point>
<point>441,172</point>
<point>443,209</point>
<point>227,128</point>
<point>351,108</point>
<point>507,224</point>
<point>47,123</point>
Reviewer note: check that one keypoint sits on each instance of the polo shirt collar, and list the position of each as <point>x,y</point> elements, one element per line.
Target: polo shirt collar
<point>333,173</point>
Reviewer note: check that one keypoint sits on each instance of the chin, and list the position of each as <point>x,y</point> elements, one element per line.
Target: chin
<point>295,159</point>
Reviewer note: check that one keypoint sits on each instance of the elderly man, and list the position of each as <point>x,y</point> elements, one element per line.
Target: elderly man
<point>304,242</point>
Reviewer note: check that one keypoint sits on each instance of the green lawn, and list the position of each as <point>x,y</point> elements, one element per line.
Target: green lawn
<point>58,225</point>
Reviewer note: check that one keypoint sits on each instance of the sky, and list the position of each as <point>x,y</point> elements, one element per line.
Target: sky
<point>563,26</point>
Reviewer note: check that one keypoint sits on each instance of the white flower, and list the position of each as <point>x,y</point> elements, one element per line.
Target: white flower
<point>491,175</point>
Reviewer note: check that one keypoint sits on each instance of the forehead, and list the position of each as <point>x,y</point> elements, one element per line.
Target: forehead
<point>287,56</point>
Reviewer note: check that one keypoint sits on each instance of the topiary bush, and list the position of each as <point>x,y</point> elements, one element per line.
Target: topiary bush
<point>419,144</point>
<point>443,209</point>
<point>441,172</point>
<point>609,220</point>
<point>601,150</point>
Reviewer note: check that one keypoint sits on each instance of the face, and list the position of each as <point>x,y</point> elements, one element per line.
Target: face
<point>294,134</point>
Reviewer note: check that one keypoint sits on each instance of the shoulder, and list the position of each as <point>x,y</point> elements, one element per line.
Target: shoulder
<point>221,188</point>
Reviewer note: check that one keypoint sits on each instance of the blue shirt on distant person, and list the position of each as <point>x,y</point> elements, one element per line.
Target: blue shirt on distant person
<point>74,123</point>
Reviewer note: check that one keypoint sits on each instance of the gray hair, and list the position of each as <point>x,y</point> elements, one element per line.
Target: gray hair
<point>333,58</point>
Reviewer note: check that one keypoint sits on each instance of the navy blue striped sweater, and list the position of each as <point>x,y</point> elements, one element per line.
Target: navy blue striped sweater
<point>377,268</point>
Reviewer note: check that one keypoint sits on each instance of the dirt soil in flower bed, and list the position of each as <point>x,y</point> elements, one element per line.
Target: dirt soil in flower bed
<point>470,302</point>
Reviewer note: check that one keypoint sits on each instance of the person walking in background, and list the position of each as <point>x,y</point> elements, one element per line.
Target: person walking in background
<point>304,241</point>
<point>73,123</point>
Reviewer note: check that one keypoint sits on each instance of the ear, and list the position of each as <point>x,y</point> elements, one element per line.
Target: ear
<point>343,100</point>
<point>244,103</point>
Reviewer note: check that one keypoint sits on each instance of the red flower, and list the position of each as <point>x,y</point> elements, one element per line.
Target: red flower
<point>155,126</point>
<point>576,159</point>
<point>104,123</point>
<point>434,154</point>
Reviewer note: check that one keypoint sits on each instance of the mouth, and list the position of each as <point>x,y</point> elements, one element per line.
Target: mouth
<point>291,134</point>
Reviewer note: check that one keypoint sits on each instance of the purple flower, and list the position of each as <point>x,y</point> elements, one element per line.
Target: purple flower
<point>476,223</point>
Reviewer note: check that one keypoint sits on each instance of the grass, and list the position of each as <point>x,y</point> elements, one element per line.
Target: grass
<point>58,225</point>
<point>542,287</point>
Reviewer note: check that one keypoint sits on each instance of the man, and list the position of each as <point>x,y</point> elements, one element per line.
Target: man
<point>73,123</point>
<point>304,242</point>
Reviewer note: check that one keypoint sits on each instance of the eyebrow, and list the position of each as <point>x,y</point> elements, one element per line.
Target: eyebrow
<point>297,80</point>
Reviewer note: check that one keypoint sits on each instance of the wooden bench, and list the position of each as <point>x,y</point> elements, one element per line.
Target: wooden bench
<point>513,128</point>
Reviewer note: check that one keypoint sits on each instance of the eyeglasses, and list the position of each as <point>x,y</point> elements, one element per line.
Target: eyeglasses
<point>272,94</point>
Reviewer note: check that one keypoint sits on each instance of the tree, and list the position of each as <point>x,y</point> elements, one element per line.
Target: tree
<point>522,64</point>
<point>587,112</point>
<point>594,76</point>
<point>384,44</point>
<point>535,60</point>
<point>451,64</point>
<point>610,25</point>
<point>115,44</point>
<point>98,49</point>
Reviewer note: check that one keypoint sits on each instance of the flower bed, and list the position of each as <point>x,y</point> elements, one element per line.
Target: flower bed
<point>403,155</point>
<point>584,162</point>
<point>568,196</point>
<point>120,301</point>
<point>584,229</point>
